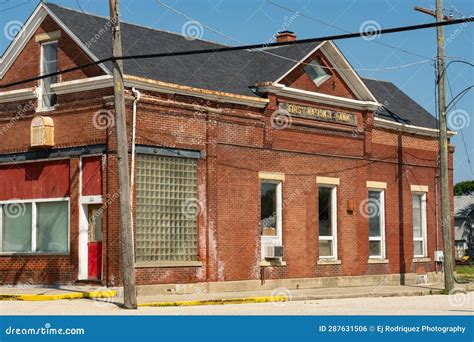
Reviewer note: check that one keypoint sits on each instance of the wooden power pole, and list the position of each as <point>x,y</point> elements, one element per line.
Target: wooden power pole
<point>126,230</point>
<point>443,152</point>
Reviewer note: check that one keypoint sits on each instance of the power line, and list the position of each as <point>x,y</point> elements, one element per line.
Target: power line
<point>462,132</point>
<point>247,47</point>
<point>174,10</point>
<point>341,29</point>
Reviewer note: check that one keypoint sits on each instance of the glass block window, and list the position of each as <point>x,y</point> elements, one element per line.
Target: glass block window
<point>166,209</point>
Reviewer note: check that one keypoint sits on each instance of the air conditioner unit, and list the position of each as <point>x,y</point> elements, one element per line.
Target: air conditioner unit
<point>273,252</point>
<point>438,256</point>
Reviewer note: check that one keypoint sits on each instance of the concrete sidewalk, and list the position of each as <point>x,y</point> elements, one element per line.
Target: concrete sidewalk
<point>281,294</point>
<point>35,293</point>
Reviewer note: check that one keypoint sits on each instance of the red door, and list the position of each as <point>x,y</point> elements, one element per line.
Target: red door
<point>94,246</point>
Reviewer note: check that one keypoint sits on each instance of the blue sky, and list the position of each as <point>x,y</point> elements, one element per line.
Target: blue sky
<point>256,21</point>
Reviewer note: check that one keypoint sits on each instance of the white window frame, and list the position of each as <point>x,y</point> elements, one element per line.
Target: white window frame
<point>33,203</point>
<point>321,79</point>
<point>380,238</point>
<point>332,237</point>
<point>278,239</point>
<point>41,83</point>
<point>423,237</point>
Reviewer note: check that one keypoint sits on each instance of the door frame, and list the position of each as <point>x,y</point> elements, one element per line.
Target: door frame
<point>83,273</point>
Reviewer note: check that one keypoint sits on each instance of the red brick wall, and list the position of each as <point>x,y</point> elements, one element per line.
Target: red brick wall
<point>237,142</point>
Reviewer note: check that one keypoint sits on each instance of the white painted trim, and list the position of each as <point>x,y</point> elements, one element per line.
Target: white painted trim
<point>380,238</point>
<point>424,228</point>
<point>298,63</point>
<point>18,95</point>
<point>34,224</point>
<point>17,45</point>
<point>91,199</point>
<point>271,175</point>
<point>333,237</point>
<point>432,132</point>
<point>282,90</point>
<point>338,61</point>
<point>419,188</point>
<point>348,74</point>
<point>38,200</point>
<point>170,88</point>
<point>40,88</point>
<point>278,239</point>
<point>76,39</point>
<point>1,228</point>
<point>83,84</point>
<point>327,180</point>
<point>376,185</point>
<point>30,27</point>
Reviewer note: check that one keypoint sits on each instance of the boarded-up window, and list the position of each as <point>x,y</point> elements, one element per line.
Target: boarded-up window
<point>167,209</point>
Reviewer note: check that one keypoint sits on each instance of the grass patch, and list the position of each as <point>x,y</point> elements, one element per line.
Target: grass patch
<point>465,272</point>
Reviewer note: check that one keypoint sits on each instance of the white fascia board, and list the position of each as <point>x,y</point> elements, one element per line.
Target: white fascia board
<point>106,81</point>
<point>84,84</point>
<point>282,90</point>
<point>76,40</point>
<point>18,95</point>
<point>301,61</point>
<point>348,74</point>
<point>432,132</point>
<point>27,31</point>
<point>30,27</point>
<point>208,95</point>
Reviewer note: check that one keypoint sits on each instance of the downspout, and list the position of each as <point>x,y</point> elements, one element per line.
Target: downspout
<point>137,95</point>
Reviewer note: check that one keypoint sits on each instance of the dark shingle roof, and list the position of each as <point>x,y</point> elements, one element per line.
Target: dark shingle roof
<point>232,72</point>
<point>398,106</point>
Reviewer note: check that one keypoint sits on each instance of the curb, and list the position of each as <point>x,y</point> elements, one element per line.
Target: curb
<point>269,299</point>
<point>247,300</point>
<point>75,295</point>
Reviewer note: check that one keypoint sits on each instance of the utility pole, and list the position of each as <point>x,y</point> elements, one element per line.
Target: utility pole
<point>126,230</point>
<point>443,152</point>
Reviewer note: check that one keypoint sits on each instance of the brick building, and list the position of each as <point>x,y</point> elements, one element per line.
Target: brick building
<point>269,166</point>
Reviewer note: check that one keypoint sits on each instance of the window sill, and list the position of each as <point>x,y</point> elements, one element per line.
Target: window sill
<point>43,110</point>
<point>272,263</point>
<point>421,259</point>
<point>329,262</point>
<point>378,261</point>
<point>168,264</point>
<point>32,254</point>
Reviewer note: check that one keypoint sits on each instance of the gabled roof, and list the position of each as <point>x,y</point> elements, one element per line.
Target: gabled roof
<point>399,107</point>
<point>232,72</point>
